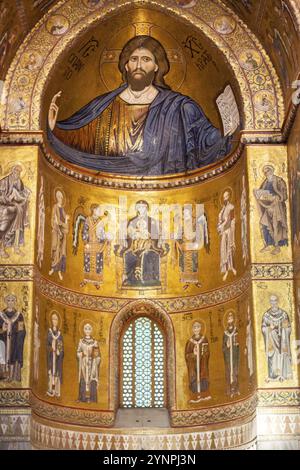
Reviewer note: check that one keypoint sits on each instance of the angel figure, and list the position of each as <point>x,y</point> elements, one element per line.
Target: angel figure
<point>189,244</point>
<point>96,240</point>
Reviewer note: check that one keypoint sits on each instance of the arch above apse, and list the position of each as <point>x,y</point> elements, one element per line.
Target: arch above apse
<point>133,310</point>
<point>30,85</point>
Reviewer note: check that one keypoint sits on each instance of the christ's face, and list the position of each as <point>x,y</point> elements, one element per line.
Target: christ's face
<point>141,68</point>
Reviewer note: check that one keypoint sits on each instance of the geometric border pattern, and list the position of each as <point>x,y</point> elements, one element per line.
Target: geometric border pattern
<point>242,436</point>
<point>272,271</point>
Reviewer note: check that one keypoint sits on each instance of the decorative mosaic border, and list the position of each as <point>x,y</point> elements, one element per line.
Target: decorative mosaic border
<point>272,271</point>
<point>277,397</point>
<point>13,398</point>
<point>207,299</point>
<point>70,415</point>
<point>16,272</point>
<point>77,299</point>
<point>240,437</point>
<point>114,305</point>
<point>214,415</point>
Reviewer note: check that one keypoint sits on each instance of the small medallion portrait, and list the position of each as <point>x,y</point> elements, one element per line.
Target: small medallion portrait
<point>264,101</point>
<point>57,25</point>
<point>32,61</point>
<point>250,59</point>
<point>224,24</point>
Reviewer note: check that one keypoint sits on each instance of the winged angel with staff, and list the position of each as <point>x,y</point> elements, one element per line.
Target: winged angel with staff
<point>97,242</point>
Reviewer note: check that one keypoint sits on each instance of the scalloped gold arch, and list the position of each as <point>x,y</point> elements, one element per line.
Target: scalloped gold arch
<point>23,91</point>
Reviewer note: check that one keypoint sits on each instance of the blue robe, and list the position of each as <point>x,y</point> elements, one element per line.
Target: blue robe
<point>177,137</point>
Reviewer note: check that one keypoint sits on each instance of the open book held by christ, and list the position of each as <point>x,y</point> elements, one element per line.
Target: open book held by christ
<point>143,127</point>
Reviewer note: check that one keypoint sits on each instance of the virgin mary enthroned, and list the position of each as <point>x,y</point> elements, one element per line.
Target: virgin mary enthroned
<point>141,128</point>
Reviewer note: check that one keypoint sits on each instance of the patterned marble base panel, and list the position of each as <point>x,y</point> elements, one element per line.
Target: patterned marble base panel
<point>240,437</point>
<point>15,430</point>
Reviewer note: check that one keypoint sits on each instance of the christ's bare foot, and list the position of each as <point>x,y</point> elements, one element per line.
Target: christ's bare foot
<point>51,272</point>
<point>276,251</point>
<point>60,275</point>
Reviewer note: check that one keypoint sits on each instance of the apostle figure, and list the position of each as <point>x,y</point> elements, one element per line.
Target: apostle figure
<point>226,230</point>
<point>141,128</point>
<point>14,201</point>
<point>271,199</point>
<point>244,223</point>
<point>41,225</point>
<point>276,329</point>
<point>231,351</point>
<point>60,230</point>
<point>249,348</point>
<point>36,344</point>
<point>96,243</point>
<point>197,359</point>
<point>55,357</point>
<point>88,354</point>
<point>142,250</point>
<point>12,337</point>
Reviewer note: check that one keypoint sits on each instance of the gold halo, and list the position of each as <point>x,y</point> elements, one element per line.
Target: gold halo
<point>59,318</point>
<point>109,58</point>
<point>263,165</point>
<point>228,189</point>
<point>83,323</point>
<point>17,163</point>
<point>59,188</point>
<point>203,328</point>
<point>230,310</point>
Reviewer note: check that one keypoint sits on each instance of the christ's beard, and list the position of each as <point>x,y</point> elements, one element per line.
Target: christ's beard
<point>140,82</point>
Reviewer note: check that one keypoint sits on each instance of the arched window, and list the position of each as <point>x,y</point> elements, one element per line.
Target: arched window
<point>143,378</point>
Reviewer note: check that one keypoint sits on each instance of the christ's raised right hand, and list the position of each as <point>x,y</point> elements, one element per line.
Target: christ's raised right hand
<point>53,111</point>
